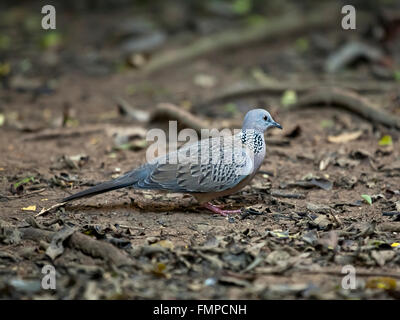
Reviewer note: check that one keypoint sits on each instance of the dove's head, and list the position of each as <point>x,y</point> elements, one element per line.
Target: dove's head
<point>260,120</point>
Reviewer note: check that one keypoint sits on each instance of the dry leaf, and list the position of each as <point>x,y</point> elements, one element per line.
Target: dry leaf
<point>345,137</point>
<point>56,247</point>
<point>29,208</point>
<point>205,80</point>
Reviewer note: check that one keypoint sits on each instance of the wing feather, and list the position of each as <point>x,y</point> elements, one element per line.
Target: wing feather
<point>210,165</point>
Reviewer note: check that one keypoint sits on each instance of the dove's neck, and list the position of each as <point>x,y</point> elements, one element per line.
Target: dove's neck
<point>253,139</point>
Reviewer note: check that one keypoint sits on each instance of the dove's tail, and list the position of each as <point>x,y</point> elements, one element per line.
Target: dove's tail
<point>127,180</point>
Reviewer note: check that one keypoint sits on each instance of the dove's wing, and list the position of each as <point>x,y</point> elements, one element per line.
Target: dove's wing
<point>211,165</point>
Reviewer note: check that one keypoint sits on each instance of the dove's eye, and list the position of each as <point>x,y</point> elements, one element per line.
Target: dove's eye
<point>265,118</point>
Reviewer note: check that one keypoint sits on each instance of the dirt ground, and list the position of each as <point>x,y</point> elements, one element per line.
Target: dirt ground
<point>305,215</point>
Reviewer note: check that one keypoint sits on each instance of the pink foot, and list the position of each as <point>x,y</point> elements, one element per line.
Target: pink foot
<point>215,209</point>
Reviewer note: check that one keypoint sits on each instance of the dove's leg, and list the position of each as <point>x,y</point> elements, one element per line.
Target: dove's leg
<point>215,209</point>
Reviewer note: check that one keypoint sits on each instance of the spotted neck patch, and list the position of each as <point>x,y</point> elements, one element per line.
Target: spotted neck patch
<point>254,140</point>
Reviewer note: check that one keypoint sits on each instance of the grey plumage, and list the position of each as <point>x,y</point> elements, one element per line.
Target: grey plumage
<point>206,169</point>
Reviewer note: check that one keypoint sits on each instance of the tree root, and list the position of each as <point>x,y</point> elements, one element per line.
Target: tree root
<point>49,134</point>
<point>228,40</point>
<point>185,118</point>
<point>44,210</point>
<point>86,244</point>
<point>162,111</point>
<point>247,91</point>
<point>350,101</point>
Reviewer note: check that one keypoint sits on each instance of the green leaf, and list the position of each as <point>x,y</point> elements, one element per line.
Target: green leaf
<point>367,198</point>
<point>289,97</point>
<point>386,141</point>
<point>302,44</point>
<point>279,234</point>
<point>5,42</point>
<point>242,6</point>
<point>32,23</point>
<point>132,145</point>
<point>231,108</point>
<point>256,19</point>
<point>23,181</point>
<point>5,69</point>
<point>328,123</point>
<point>262,77</point>
<point>377,243</point>
<point>123,146</point>
<point>51,39</point>
<point>397,75</point>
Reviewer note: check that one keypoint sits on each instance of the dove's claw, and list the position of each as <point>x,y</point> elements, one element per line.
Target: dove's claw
<point>224,213</point>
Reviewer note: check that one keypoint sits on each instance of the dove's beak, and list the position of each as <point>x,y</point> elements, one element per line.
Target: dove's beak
<point>277,125</point>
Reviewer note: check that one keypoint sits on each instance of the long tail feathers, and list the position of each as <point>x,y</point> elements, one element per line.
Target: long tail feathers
<point>122,182</point>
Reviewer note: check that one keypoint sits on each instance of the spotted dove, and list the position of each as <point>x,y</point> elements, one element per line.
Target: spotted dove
<point>207,169</point>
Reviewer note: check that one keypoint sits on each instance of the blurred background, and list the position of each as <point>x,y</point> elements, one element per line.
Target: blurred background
<point>207,57</point>
<point>99,38</point>
<point>203,46</point>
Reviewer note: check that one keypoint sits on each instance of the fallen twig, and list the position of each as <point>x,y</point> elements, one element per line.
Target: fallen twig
<point>350,101</point>
<point>23,195</point>
<point>270,29</point>
<point>48,134</point>
<point>170,111</point>
<point>86,244</point>
<point>277,88</point>
<point>44,210</point>
<point>350,52</point>
<point>110,130</point>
